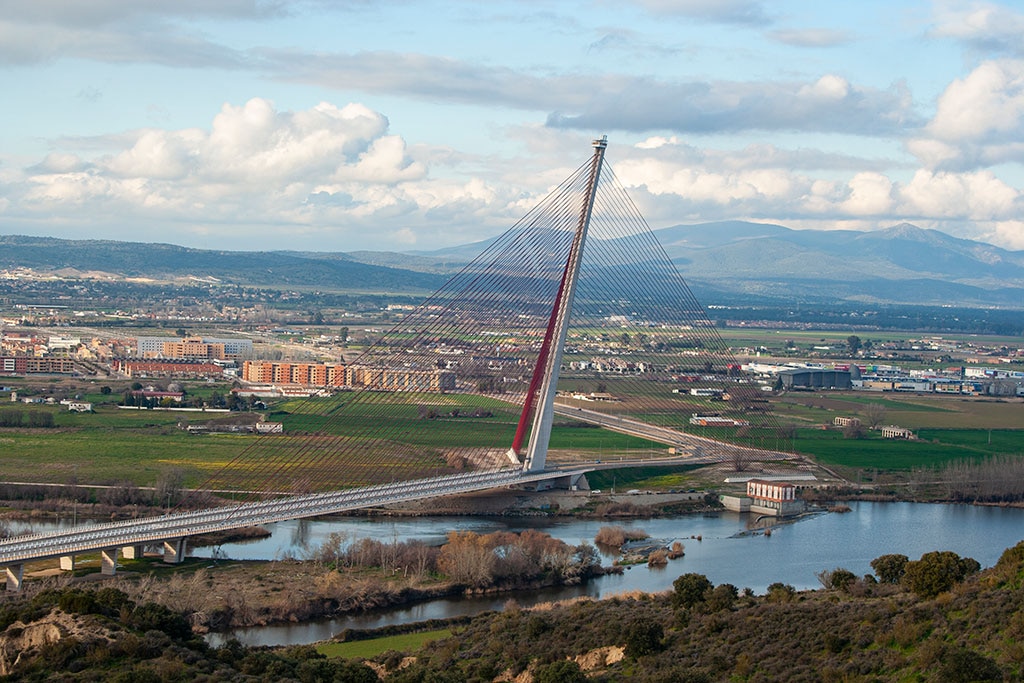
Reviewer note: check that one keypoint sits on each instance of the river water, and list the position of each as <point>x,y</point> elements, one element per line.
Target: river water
<point>732,550</point>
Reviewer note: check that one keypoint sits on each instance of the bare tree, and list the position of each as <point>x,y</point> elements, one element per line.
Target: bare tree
<point>874,414</point>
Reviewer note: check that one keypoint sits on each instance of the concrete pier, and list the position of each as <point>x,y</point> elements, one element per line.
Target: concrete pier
<point>15,573</point>
<point>174,551</point>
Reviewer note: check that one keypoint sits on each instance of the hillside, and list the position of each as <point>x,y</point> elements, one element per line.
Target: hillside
<point>932,619</point>
<point>167,262</point>
<point>902,264</point>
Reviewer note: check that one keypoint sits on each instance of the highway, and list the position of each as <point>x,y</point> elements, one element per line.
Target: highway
<point>700,449</point>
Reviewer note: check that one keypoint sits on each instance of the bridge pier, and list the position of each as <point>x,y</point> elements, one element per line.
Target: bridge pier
<point>67,563</point>
<point>133,552</point>
<point>15,573</point>
<point>108,561</point>
<point>570,482</point>
<point>174,550</point>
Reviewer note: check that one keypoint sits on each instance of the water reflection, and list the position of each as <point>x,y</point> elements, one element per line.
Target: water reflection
<point>726,547</point>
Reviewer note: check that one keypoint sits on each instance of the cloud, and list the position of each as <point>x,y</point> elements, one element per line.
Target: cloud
<point>327,175</point>
<point>155,43</point>
<point>979,119</point>
<point>984,26</point>
<point>811,37</point>
<point>673,182</point>
<point>977,196</point>
<point>870,195</point>
<point>722,11</point>
<point>830,104</point>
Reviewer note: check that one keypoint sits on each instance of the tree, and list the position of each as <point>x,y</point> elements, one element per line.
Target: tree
<point>890,568</point>
<point>967,666</point>
<point>874,414</point>
<point>625,339</point>
<point>467,558</point>
<point>837,579</point>
<point>780,592</point>
<point>937,572</point>
<point>722,597</point>
<point>168,487</point>
<point>643,637</point>
<point>562,671</point>
<point>690,590</point>
<point>853,341</point>
<point>854,430</point>
<point>105,390</point>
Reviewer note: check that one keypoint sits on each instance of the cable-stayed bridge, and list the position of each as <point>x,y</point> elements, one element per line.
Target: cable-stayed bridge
<point>573,318</point>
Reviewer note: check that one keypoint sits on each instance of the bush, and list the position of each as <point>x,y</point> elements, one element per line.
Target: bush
<point>690,590</point>
<point>890,568</point>
<point>643,637</point>
<point>937,572</point>
<point>967,666</point>
<point>563,671</point>
<point>837,579</point>
<point>722,597</point>
<point>780,592</point>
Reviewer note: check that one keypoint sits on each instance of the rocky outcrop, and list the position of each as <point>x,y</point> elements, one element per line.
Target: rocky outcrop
<point>21,642</point>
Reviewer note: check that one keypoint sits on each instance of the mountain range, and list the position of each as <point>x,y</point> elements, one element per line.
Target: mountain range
<point>722,262</point>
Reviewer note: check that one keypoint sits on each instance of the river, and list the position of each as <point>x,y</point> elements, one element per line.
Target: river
<point>730,551</point>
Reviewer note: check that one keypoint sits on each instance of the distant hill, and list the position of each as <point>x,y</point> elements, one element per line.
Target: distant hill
<point>734,259</point>
<point>169,262</point>
<point>901,264</point>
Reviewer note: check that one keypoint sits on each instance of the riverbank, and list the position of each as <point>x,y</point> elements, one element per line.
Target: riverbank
<point>344,576</point>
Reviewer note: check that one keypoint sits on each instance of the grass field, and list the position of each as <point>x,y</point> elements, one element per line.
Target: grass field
<point>366,649</point>
<point>935,448</point>
<point>111,446</point>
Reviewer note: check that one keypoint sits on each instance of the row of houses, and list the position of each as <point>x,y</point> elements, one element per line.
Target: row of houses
<point>888,432</point>
<point>959,380</point>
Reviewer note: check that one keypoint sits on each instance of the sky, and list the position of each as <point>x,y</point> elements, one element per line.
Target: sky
<point>400,125</point>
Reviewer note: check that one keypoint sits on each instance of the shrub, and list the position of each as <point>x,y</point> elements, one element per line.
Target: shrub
<point>780,592</point>
<point>837,579</point>
<point>967,666</point>
<point>563,671</point>
<point>937,572</point>
<point>643,637</point>
<point>890,568</point>
<point>690,590</point>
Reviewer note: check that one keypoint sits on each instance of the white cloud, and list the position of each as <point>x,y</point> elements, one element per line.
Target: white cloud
<point>989,102</point>
<point>1010,234</point>
<point>982,25</point>
<point>979,119</point>
<point>977,196</point>
<point>870,195</point>
<point>325,171</point>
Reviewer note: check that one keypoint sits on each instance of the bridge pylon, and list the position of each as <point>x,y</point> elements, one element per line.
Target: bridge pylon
<point>544,382</point>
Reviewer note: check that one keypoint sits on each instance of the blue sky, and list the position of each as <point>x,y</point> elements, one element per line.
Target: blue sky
<point>354,124</point>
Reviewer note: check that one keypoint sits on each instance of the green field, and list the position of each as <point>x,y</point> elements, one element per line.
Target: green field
<point>934,448</point>
<point>112,446</point>
<point>366,649</point>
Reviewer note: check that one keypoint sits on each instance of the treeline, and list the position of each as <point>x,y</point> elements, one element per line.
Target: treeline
<point>999,479</point>
<point>168,491</point>
<point>469,559</point>
<point>35,419</point>
<point>880,317</point>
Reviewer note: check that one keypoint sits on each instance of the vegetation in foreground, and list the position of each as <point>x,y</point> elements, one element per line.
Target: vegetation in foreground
<point>934,619</point>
